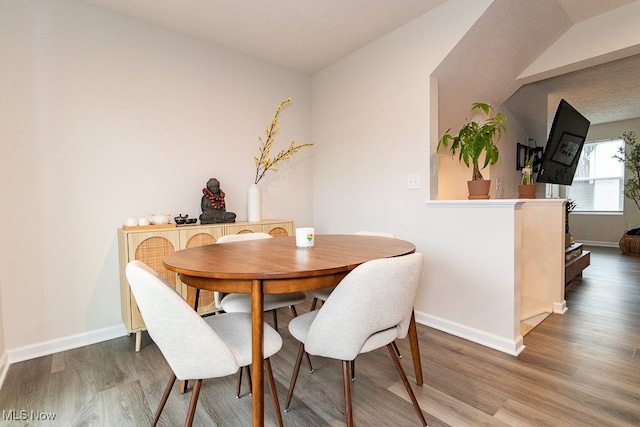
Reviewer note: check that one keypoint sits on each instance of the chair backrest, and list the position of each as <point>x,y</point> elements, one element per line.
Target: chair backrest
<point>190,346</point>
<point>376,296</point>
<point>375,233</point>
<point>217,296</point>
<point>244,236</point>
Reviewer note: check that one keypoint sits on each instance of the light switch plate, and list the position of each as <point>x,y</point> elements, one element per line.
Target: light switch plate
<point>413,181</point>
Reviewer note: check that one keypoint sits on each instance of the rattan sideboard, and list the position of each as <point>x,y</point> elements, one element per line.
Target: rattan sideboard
<point>150,244</point>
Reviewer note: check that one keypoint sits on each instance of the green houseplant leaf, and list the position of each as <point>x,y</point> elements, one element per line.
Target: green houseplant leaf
<point>475,139</point>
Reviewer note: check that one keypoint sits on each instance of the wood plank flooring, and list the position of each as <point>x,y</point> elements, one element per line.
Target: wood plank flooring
<point>579,369</point>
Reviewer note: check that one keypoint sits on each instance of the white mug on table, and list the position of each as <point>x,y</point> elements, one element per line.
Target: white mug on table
<point>305,237</point>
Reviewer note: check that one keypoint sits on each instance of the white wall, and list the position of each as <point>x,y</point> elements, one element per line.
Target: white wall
<point>373,122</point>
<point>472,274</point>
<point>103,118</point>
<point>606,229</point>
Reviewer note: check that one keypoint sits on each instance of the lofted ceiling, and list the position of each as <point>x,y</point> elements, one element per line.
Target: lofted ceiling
<point>519,31</point>
<point>309,35</point>
<point>303,35</point>
<point>603,93</point>
<point>580,10</point>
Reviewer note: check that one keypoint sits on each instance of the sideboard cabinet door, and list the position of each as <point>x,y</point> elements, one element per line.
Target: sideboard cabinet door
<point>191,237</point>
<point>150,248</point>
<point>278,228</point>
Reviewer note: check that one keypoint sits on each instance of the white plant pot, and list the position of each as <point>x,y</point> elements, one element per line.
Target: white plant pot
<point>254,203</point>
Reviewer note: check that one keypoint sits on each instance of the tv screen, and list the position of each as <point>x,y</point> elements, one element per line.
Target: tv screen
<point>562,152</point>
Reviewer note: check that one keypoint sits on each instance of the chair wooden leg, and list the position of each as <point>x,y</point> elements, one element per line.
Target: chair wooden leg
<point>347,392</point>
<point>294,377</point>
<point>415,349</point>
<point>193,403</point>
<point>353,369</point>
<point>275,319</point>
<point>164,398</point>
<point>239,382</point>
<point>396,349</point>
<point>249,379</point>
<point>274,392</point>
<point>295,314</point>
<point>306,355</point>
<point>405,381</point>
<point>314,303</point>
<point>197,300</point>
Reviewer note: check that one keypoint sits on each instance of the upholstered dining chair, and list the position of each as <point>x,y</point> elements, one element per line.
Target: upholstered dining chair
<point>241,303</point>
<point>196,348</point>
<point>323,293</point>
<point>349,324</point>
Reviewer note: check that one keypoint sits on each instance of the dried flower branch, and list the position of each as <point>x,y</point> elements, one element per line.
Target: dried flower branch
<point>264,163</point>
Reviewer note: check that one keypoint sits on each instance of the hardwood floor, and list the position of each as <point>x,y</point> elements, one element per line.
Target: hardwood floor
<point>579,369</point>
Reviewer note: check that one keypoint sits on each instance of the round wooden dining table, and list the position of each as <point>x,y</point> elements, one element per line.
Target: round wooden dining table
<point>274,266</point>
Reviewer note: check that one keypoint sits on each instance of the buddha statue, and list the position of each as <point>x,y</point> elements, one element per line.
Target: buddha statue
<point>213,207</point>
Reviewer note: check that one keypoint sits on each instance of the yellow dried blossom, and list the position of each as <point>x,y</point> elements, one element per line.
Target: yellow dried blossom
<point>264,163</point>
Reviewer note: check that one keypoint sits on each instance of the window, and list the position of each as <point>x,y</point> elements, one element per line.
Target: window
<point>599,179</point>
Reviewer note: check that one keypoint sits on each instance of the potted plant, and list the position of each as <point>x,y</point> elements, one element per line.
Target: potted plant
<point>629,154</point>
<point>473,141</point>
<point>527,188</point>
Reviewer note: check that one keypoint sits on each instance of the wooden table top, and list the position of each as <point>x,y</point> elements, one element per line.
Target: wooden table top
<point>279,258</point>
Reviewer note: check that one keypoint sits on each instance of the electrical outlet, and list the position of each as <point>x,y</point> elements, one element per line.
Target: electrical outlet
<point>413,181</point>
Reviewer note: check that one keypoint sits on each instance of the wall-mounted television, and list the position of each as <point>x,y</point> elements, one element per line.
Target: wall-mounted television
<point>562,152</point>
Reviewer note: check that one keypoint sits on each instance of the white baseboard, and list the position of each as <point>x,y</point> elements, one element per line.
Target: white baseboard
<point>66,343</point>
<point>560,307</point>
<point>601,244</point>
<point>513,347</point>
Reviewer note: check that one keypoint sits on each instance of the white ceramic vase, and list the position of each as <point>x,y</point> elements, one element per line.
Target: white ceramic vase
<point>254,203</point>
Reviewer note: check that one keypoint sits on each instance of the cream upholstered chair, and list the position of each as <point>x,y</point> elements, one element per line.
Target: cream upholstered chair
<point>241,303</point>
<point>323,293</point>
<point>196,348</point>
<point>348,323</point>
